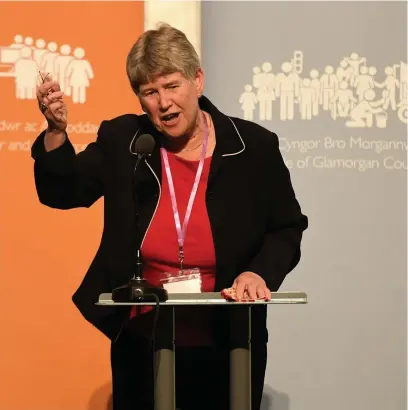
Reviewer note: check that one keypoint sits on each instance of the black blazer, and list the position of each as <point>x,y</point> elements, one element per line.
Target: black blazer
<point>256,221</point>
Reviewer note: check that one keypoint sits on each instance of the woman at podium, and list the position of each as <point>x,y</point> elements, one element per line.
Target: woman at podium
<point>203,197</point>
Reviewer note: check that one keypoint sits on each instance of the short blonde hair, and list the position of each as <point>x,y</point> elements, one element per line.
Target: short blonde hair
<point>165,50</point>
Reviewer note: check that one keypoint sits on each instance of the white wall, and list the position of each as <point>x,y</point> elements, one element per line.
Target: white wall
<point>184,15</point>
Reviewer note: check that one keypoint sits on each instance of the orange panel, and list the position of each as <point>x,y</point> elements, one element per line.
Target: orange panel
<point>51,359</point>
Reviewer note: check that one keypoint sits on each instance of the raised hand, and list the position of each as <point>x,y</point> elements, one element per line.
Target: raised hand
<point>51,103</point>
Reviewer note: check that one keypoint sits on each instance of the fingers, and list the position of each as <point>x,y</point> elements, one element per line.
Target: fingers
<point>262,292</point>
<point>252,290</point>
<point>56,107</point>
<point>55,87</point>
<point>268,295</point>
<point>45,82</point>
<point>54,96</point>
<point>250,286</point>
<point>48,102</point>
<point>240,289</point>
<point>255,291</point>
<point>47,88</point>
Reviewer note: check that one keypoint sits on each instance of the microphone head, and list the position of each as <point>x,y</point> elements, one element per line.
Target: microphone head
<point>145,144</point>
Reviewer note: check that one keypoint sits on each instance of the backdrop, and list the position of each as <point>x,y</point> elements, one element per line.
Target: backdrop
<point>347,348</point>
<point>51,359</point>
<point>330,79</point>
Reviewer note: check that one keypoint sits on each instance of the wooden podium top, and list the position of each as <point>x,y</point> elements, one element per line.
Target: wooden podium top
<point>209,298</point>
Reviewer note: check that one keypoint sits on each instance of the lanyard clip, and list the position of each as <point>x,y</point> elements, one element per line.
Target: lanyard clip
<point>181,258</point>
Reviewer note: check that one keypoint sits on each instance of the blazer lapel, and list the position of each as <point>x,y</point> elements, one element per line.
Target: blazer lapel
<point>228,140</point>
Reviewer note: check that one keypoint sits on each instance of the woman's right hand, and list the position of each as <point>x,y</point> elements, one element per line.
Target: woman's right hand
<point>52,105</point>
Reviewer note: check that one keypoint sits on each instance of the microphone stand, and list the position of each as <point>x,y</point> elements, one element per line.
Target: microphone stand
<point>138,289</point>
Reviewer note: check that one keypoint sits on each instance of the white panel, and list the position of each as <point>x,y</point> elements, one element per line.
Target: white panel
<point>184,15</point>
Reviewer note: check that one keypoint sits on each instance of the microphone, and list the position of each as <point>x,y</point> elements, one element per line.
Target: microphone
<point>144,146</point>
<point>138,290</point>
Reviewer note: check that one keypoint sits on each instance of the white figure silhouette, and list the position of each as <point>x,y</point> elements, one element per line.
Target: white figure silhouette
<point>343,101</point>
<point>404,91</point>
<point>78,73</point>
<point>61,64</point>
<point>403,111</point>
<point>255,77</point>
<point>355,61</point>
<point>362,115</point>
<point>256,81</point>
<point>26,75</point>
<point>306,99</point>
<point>372,71</point>
<point>363,82</point>
<point>390,83</point>
<point>48,60</point>
<point>287,88</point>
<point>329,85</point>
<point>248,102</point>
<point>28,41</point>
<point>18,42</point>
<point>381,117</point>
<point>60,67</point>
<point>266,91</point>
<point>315,84</point>
<point>348,91</point>
<point>8,57</point>
<point>344,71</point>
<point>39,52</point>
<point>403,79</point>
<point>297,62</point>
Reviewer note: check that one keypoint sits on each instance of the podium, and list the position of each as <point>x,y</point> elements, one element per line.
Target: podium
<point>240,357</point>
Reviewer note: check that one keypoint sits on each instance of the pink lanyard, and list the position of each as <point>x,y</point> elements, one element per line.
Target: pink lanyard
<point>181,231</point>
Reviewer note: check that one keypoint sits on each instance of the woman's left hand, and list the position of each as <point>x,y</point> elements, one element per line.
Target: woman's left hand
<point>253,284</point>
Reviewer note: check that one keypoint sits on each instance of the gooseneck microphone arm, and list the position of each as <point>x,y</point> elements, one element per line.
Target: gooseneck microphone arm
<point>138,272</point>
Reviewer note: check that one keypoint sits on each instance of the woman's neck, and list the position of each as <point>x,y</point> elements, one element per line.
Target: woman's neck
<point>193,140</point>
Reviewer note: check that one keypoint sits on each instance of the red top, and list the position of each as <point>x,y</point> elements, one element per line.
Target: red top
<point>160,246</point>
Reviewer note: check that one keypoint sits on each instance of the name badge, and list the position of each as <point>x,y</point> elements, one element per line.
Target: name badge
<point>186,281</point>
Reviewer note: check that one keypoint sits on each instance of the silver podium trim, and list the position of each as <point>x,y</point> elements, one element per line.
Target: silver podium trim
<point>209,298</point>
